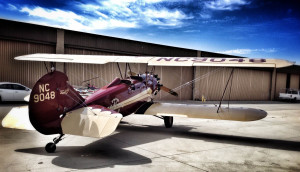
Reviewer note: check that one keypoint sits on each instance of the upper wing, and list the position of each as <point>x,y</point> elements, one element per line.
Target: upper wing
<point>202,111</point>
<point>158,61</point>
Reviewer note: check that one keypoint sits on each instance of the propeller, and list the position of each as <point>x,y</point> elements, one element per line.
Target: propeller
<point>161,87</point>
<point>168,90</point>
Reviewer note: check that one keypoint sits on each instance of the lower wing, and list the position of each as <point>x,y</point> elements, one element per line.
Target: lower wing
<point>17,118</point>
<point>202,111</point>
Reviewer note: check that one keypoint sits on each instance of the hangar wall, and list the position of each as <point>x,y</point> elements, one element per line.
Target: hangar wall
<point>26,73</point>
<point>294,81</point>
<point>246,84</point>
<point>18,38</point>
<point>280,83</point>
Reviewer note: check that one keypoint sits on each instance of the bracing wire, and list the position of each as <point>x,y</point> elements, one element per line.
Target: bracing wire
<point>78,102</point>
<point>196,80</point>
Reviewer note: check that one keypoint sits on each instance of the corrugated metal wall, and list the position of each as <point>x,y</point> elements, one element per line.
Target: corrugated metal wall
<point>246,84</point>
<point>173,78</point>
<point>294,81</point>
<point>102,43</point>
<point>280,83</point>
<point>26,73</point>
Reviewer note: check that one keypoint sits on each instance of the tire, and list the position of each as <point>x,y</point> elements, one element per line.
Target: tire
<point>50,147</point>
<point>168,120</point>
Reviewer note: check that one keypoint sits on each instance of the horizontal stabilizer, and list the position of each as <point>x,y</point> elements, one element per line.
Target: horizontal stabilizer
<point>158,61</point>
<point>91,122</point>
<point>18,118</point>
<point>205,111</point>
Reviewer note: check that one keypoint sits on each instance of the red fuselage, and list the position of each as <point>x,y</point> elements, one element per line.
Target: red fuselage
<point>125,95</point>
<point>52,97</point>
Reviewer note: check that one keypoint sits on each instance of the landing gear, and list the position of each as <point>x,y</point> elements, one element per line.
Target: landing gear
<point>51,146</point>
<point>168,121</point>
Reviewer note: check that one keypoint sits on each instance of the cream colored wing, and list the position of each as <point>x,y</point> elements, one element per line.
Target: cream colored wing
<point>158,61</point>
<point>218,61</point>
<point>205,111</point>
<point>18,118</point>
<point>91,122</point>
<point>68,58</point>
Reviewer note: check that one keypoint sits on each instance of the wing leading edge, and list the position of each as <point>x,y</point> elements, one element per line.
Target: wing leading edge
<point>158,61</point>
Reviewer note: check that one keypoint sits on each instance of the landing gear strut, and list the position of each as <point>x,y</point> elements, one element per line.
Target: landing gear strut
<point>51,146</point>
<point>168,121</point>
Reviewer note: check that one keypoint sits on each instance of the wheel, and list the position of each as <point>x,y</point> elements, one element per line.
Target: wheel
<point>50,147</point>
<point>168,121</point>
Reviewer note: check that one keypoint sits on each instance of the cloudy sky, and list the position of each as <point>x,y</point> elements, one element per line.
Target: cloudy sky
<point>249,28</point>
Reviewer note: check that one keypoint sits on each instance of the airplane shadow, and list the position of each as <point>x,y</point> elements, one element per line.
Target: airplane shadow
<point>99,154</point>
<point>183,132</point>
<point>113,150</point>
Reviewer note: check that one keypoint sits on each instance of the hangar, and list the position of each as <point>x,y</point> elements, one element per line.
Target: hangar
<point>17,38</point>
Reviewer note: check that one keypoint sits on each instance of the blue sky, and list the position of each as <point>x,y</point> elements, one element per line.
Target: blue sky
<point>249,28</point>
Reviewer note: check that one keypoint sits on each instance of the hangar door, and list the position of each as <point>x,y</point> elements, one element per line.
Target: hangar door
<point>247,84</point>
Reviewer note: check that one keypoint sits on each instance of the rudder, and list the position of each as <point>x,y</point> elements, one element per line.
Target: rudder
<point>50,99</point>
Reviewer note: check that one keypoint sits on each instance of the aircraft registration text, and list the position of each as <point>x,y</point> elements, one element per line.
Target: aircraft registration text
<point>45,94</point>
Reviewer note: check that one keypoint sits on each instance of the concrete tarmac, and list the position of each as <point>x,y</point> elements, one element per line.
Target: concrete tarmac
<point>142,143</point>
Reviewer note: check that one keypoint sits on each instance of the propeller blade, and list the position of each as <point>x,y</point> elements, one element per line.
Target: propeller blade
<point>168,90</point>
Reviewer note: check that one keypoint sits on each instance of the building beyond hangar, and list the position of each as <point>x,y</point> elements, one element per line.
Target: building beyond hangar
<point>17,38</point>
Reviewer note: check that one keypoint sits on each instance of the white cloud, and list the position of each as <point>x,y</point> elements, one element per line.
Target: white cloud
<point>56,14</point>
<point>110,24</point>
<point>225,4</point>
<point>110,14</point>
<point>12,7</point>
<point>70,20</point>
<point>249,51</point>
<point>191,31</point>
<point>153,1</point>
<point>205,15</point>
<point>59,18</point>
<point>164,17</point>
<point>138,12</point>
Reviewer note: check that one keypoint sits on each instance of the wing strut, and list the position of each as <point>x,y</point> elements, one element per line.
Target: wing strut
<point>230,77</point>
<point>120,70</point>
<point>46,67</point>
<point>129,69</point>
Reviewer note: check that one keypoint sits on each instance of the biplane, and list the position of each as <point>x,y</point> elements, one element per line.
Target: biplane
<point>55,107</point>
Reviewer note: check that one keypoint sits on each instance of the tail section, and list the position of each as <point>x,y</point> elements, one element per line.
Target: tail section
<point>50,99</point>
